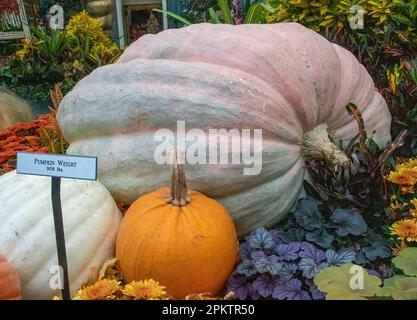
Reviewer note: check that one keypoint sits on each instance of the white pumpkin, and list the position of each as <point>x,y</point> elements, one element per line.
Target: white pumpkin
<point>27,238</point>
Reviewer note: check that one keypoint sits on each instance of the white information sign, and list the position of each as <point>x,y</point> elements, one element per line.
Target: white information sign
<point>56,165</point>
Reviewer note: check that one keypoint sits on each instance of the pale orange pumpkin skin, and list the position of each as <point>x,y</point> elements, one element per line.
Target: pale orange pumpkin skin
<point>190,249</point>
<point>9,281</point>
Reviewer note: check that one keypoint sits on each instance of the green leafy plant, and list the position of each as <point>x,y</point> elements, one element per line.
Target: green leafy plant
<point>347,192</point>
<point>251,12</point>
<point>49,46</point>
<point>329,228</point>
<point>226,13</point>
<point>54,56</point>
<point>402,286</point>
<point>196,11</point>
<point>82,28</point>
<point>175,16</point>
<point>407,261</point>
<point>336,283</point>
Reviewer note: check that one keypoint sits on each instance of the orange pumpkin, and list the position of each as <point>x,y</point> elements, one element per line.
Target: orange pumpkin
<point>181,238</point>
<point>9,281</point>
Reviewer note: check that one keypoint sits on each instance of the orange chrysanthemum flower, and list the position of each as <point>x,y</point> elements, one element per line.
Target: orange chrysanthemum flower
<point>145,290</point>
<point>405,229</point>
<point>103,289</point>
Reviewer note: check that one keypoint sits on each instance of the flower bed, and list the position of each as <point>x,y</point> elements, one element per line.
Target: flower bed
<point>358,216</point>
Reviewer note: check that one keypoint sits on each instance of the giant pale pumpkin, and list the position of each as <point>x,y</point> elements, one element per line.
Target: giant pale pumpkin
<point>9,281</point>
<point>27,238</point>
<point>13,109</point>
<point>179,237</point>
<point>284,79</point>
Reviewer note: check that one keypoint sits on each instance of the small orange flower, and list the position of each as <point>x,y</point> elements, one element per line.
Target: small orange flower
<point>145,290</point>
<point>103,289</point>
<point>405,229</point>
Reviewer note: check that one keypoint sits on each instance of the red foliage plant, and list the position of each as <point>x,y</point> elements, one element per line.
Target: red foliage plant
<point>9,6</point>
<point>40,135</point>
<point>21,137</point>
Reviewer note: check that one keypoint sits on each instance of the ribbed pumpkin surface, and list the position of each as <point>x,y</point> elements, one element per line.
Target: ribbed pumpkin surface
<point>27,237</point>
<point>284,79</point>
<point>189,249</point>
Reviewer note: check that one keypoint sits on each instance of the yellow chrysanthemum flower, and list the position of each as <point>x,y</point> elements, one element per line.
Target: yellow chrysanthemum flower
<point>413,211</point>
<point>408,189</point>
<point>103,289</point>
<point>395,206</point>
<point>398,248</point>
<point>22,53</point>
<point>405,229</point>
<point>410,163</point>
<point>405,175</point>
<point>145,290</point>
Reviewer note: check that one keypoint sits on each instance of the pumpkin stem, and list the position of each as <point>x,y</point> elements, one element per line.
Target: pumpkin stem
<point>317,145</point>
<point>178,195</point>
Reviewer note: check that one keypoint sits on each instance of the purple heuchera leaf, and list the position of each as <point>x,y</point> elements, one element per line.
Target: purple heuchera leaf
<point>264,285</point>
<point>265,264</point>
<point>310,268</point>
<point>372,272</point>
<point>307,250</point>
<point>316,294</point>
<point>260,239</point>
<point>276,236</point>
<point>287,252</point>
<point>337,259</point>
<point>239,286</point>
<point>242,289</point>
<point>245,251</point>
<point>290,290</point>
<point>246,267</point>
<point>258,254</point>
<point>287,270</point>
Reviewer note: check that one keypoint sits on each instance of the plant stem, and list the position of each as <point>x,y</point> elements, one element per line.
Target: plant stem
<point>178,194</point>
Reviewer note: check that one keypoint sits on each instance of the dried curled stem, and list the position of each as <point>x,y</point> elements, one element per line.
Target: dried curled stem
<point>317,145</point>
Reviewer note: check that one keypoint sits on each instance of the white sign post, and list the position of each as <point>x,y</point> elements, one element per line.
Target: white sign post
<point>57,167</point>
